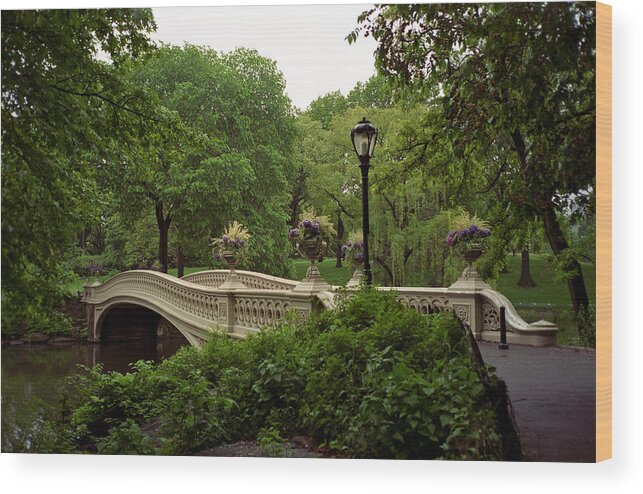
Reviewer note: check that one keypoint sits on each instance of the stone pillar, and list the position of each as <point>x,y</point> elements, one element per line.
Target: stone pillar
<point>92,314</point>
<point>313,283</point>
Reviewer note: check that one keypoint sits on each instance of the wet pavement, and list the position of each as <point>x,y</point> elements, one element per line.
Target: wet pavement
<point>553,392</point>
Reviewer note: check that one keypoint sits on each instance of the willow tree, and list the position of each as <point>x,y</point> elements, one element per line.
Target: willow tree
<point>519,77</point>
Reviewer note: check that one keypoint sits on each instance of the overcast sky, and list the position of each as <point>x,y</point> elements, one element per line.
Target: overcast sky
<point>307,41</point>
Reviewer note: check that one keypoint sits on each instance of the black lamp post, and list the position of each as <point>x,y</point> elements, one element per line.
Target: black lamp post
<point>364,137</point>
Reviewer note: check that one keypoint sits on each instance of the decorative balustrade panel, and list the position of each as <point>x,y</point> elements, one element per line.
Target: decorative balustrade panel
<point>259,311</point>
<point>193,300</point>
<point>255,281</point>
<point>490,317</point>
<point>425,304</point>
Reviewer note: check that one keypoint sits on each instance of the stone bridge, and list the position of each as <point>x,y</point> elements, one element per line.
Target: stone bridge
<point>203,302</point>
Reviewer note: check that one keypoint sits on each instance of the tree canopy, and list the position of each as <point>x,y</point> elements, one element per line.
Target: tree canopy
<point>516,84</point>
<point>60,103</point>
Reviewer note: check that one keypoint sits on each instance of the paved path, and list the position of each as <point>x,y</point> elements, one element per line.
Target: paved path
<point>553,392</point>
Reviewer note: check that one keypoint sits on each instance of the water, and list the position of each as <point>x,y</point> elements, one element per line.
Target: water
<point>35,374</point>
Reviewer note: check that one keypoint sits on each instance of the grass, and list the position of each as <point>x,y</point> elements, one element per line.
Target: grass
<point>548,290</point>
<point>333,276</point>
<point>549,299</point>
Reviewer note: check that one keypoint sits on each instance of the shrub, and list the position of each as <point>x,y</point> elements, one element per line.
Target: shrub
<point>126,439</point>
<point>368,379</point>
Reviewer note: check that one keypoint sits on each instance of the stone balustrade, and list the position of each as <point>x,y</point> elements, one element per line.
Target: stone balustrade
<point>203,302</point>
<point>217,277</point>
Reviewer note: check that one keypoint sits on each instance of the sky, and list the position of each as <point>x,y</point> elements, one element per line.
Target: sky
<point>306,41</point>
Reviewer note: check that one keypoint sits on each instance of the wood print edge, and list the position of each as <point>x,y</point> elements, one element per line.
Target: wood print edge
<point>603,232</point>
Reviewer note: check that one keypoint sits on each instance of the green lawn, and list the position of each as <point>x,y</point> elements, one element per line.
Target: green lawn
<point>547,291</point>
<point>334,276</point>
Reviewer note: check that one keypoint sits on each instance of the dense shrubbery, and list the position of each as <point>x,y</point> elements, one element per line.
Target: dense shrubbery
<point>370,379</point>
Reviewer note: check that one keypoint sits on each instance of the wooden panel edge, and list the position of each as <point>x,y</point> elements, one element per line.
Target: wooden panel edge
<point>603,231</point>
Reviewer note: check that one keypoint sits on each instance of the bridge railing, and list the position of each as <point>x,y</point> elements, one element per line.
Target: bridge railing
<point>195,309</point>
<point>250,279</point>
<point>196,305</point>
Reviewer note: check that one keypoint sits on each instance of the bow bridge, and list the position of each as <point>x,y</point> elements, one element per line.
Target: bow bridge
<point>244,302</point>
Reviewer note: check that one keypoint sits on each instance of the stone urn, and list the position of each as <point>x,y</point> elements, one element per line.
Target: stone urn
<point>312,249</point>
<point>470,279</point>
<point>472,255</point>
<point>232,259</point>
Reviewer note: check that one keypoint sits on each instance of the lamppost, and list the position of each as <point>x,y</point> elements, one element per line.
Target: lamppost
<point>364,137</point>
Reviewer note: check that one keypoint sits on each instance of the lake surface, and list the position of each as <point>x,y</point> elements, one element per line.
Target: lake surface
<point>33,375</point>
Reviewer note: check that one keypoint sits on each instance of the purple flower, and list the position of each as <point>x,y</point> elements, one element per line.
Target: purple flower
<point>242,243</point>
<point>307,224</point>
<point>293,233</point>
<point>359,255</point>
<point>225,239</point>
<point>473,228</point>
<point>216,256</point>
<point>344,248</point>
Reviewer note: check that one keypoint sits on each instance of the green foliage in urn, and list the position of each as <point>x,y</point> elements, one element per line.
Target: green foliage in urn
<point>468,233</point>
<point>313,233</point>
<point>234,240</point>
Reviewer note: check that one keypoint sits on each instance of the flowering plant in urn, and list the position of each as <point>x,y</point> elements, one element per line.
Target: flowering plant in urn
<point>311,234</point>
<point>353,250</point>
<point>468,237</point>
<point>231,245</point>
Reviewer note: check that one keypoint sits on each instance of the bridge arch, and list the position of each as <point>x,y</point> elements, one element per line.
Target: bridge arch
<point>103,311</point>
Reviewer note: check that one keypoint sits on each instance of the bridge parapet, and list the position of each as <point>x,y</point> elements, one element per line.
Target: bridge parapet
<point>196,309</point>
<point>479,309</point>
<point>259,281</point>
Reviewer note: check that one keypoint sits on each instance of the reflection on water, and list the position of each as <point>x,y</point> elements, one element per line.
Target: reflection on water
<point>33,375</point>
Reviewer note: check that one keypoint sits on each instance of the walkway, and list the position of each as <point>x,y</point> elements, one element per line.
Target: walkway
<point>553,394</point>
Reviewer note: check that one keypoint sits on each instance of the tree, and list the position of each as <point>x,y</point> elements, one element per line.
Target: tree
<point>324,108</point>
<point>60,108</point>
<point>517,79</point>
<point>218,152</point>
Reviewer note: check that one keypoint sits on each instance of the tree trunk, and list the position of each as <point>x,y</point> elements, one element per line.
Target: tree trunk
<point>299,194</point>
<point>387,269</point>
<point>163,224</point>
<point>340,236</point>
<point>180,262</point>
<point>525,281</point>
<point>576,283</point>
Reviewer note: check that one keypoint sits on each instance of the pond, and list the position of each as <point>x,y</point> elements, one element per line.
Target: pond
<point>33,375</point>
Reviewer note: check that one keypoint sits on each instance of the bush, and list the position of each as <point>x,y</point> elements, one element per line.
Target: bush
<point>370,379</point>
<point>126,439</point>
